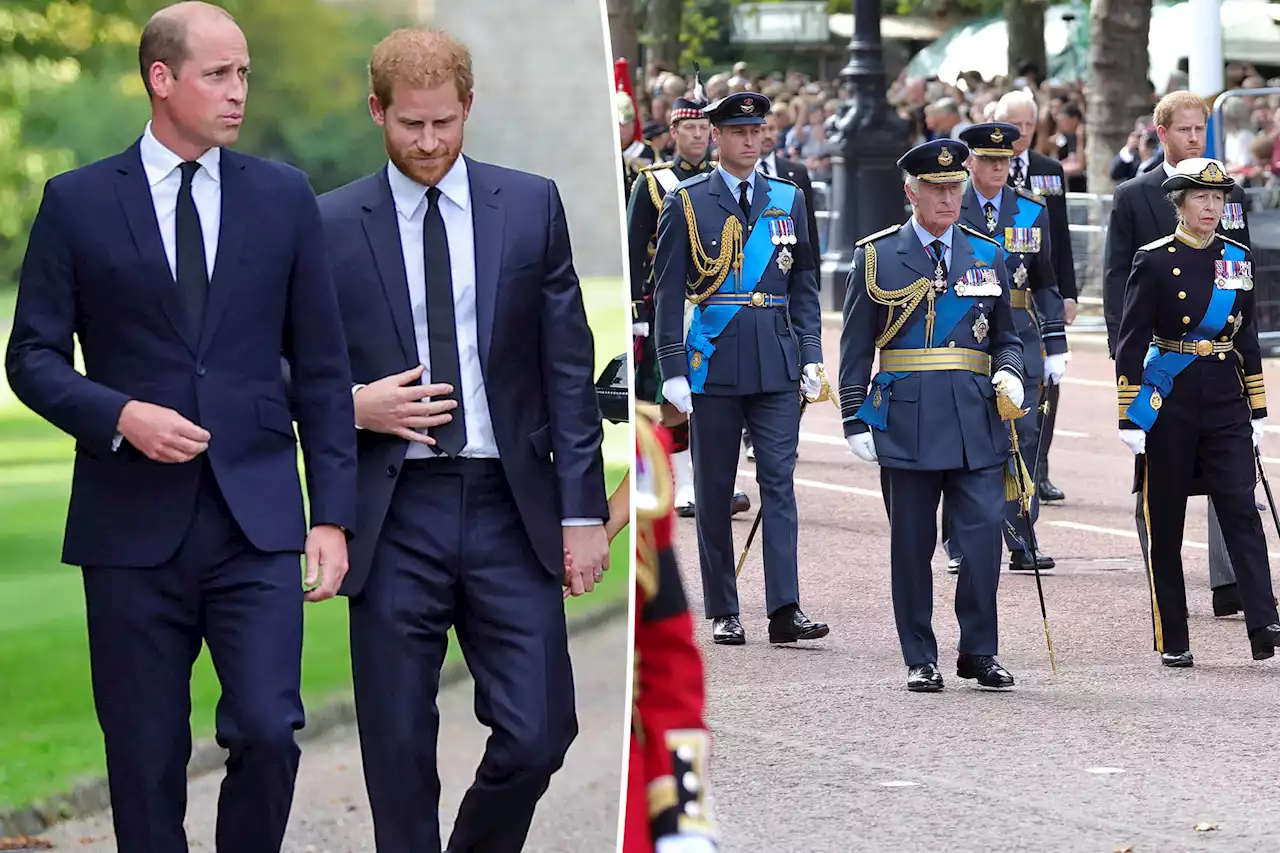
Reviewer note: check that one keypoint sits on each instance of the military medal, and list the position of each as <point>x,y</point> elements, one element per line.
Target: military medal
<point>1156,400</point>
<point>980,328</point>
<point>1232,217</point>
<point>991,221</point>
<point>785,260</point>
<point>1233,275</point>
<point>876,398</point>
<point>1020,275</point>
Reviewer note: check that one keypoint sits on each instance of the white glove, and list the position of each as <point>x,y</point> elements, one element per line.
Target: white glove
<point>1257,425</point>
<point>1055,367</point>
<point>640,330</point>
<point>676,392</point>
<point>1005,381</point>
<point>863,446</point>
<point>811,382</point>
<point>684,844</point>
<point>1135,440</point>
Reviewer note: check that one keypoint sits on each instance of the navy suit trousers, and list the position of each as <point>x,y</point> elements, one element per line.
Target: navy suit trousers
<point>453,552</point>
<point>146,626</point>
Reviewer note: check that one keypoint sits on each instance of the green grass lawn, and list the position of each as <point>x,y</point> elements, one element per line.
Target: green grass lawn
<point>50,736</point>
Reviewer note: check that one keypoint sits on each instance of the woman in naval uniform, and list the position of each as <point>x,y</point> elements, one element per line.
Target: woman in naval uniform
<point>1191,398</point>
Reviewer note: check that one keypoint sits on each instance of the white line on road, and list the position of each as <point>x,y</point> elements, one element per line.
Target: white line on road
<point>1103,770</point>
<point>898,783</point>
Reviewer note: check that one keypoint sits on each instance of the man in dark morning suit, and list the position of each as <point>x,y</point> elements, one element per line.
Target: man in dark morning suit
<point>464,319</point>
<point>1019,222</point>
<point>1141,214</point>
<point>186,270</point>
<point>1043,176</point>
<point>795,172</point>
<point>736,244</point>
<point>932,297</point>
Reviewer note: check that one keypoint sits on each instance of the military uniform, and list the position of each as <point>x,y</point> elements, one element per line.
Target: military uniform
<point>668,779</point>
<point>738,249</point>
<point>943,325</point>
<point>1189,373</point>
<point>1019,221</point>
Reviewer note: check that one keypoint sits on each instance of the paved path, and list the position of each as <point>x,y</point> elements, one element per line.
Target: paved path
<point>821,747</point>
<point>579,814</point>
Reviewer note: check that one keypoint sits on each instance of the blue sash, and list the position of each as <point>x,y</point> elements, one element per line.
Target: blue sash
<point>1160,368</point>
<point>949,309</point>
<point>709,321</point>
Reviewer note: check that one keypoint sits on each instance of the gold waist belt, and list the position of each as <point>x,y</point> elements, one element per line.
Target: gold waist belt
<point>1200,348</point>
<point>935,358</point>
<point>1020,299</point>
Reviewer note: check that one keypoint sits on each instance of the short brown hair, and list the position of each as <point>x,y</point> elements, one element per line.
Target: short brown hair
<point>418,56</point>
<point>164,38</point>
<point>1175,101</point>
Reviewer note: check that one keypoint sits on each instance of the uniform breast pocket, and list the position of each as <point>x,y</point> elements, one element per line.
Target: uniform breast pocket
<point>787,340</point>
<point>901,439</point>
<point>711,242</point>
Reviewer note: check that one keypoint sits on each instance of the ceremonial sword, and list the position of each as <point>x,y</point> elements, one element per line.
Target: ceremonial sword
<point>1262,475</point>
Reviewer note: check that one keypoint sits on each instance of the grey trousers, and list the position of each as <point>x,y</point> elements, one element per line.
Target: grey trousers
<point>1220,571</point>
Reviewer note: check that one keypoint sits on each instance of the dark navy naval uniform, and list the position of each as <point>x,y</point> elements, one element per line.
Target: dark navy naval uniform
<point>1189,372</point>
<point>942,330</point>
<point>1019,221</point>
<point>738,248</point>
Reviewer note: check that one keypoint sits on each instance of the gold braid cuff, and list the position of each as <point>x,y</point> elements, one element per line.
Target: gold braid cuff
<point>906,298</point>
<point>715,270</point>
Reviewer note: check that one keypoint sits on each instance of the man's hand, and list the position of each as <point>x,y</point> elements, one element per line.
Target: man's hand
<point>1258,424</point>
<point>1009,385</point>
<point>1135,440</point>
<point>640,330</point>
<point>586,557</point>
<point>676,391</point>
<point>863,445</point>
<point>326,562</point>
<point>1055,367</point>
<point>1068,311</point>
<point>160,434</point>
<point>811,382</point>
<point>393,406</point>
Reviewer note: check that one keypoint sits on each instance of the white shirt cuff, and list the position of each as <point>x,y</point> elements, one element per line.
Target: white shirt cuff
<point>354,389</point>
<point>116,442</point>
<point>580,522</point>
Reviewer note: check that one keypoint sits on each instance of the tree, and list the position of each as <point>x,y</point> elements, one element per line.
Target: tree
<point>1025,25</point>
<point>623,34</point>
<point>1117,94</point>
<point>663,28</point>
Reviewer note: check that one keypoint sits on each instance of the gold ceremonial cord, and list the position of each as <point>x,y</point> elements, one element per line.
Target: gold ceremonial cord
<point>906,298</point>
<point>717,268</point>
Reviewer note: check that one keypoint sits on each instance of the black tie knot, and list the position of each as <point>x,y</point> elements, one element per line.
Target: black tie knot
<point>937,247</point>
<point>433,196</point>
<point>189,169</point>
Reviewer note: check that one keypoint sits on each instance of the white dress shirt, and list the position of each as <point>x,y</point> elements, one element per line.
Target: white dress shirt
<point>1025,160</point>
<point>165,178</point>
<point>926,239</point>
<point>771,159</point>
<point>410,199</point>
<point>1169,171</point>
<point>983,201</point>
<point>732,182</point>
<point>455,208</point>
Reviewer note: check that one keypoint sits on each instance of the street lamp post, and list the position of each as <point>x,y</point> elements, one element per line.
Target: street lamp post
<point>869,139</point>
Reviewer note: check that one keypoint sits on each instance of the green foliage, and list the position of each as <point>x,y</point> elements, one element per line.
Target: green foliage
<point>698,27</point>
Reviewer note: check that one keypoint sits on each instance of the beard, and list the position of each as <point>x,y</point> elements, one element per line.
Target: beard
<point>426,172</point>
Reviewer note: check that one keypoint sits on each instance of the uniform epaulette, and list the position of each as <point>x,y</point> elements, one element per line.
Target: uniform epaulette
<point>1235,243</point>
<point>696,179</point>
<point>652,167</point>
<point>1030,196</point>
<point>1156,244</point>
<point>778,180</point>
<point>883,232</point>
<point>975,233</point>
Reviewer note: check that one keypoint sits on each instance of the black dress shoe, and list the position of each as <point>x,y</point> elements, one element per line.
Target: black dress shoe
<point>1226,600</point>
<point>789,624</point>
<point>1049,492</point>
<point>953,566</point>
<point>924,678</point>
<point>1264,641</point>
<point>740,502</point>
<point>984,668</point>
<point>1177,660</point>
<point>1020,561</point>
<point>727,631</point>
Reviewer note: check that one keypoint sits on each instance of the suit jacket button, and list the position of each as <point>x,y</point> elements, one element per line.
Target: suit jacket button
<point>200,371</point>
<point>391,470</point>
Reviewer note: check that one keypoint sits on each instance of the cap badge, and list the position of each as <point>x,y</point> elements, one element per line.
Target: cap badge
<point>945,158</point>
<point>996,136</point>
<point>1212,174</point>
<point>748,106</point>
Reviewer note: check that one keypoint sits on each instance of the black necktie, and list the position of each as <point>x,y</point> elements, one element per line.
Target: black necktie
<point>442,331</point>
<point>193,274</point>
<point>990,210</point>
<point>939,257</point>
<point>764,167</point>
<point>1016,178</point>
<point>742,200</point>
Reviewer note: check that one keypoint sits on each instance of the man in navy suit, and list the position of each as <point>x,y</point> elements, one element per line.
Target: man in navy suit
<point>480,466</point>
<point>186,270</point>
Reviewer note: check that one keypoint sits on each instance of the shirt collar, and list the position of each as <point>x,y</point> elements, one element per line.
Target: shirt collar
<point>982,199</point>
<point>926,239</point>
<point>1169,171</point>
<point>732,181</point>
<point>772,159</point>
<point>159,162</point>
<point>408,193</point>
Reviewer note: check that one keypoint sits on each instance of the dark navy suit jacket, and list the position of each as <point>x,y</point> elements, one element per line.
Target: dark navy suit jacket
<point>96,270</point>
<point>536,350</point>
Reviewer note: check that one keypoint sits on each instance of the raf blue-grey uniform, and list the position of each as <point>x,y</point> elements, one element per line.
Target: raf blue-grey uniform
<point>1019,221</point>
<point>747,340</point>
<point>932,412</point>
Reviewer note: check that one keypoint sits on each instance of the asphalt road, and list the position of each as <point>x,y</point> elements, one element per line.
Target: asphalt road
<point>821,748</point>
<point>578,814</point>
